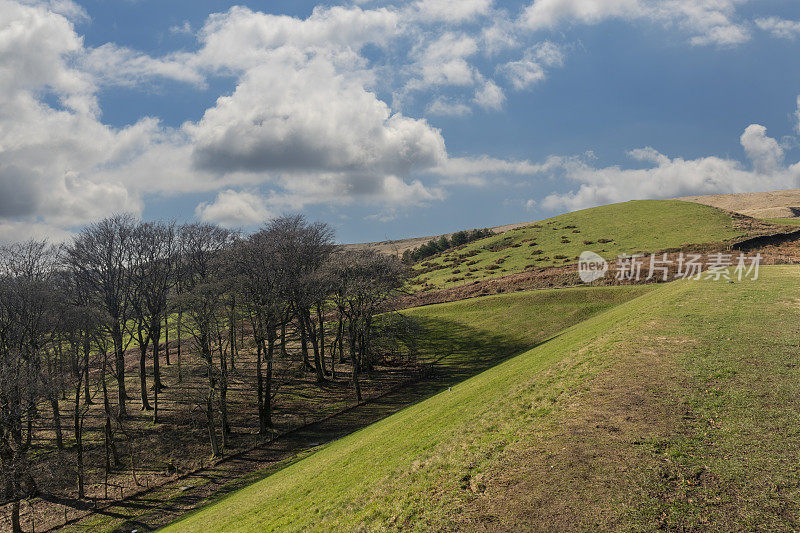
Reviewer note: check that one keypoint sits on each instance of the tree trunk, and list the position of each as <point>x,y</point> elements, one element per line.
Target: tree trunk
<point>78,443</point>
<point>341,337</point>
<point>268,383</point>
<point>212,431</point>
<point>57,421</point>
<point>143,375</point>
<point>119,358</point>
<point>262,425</point>
<point>109,435</point>
<point>354,359</point>
<point>166,339</point>
<point>155,338</point>
<point>87,347</point>
<point>321,320</point>
<point>285,321</point>
<point>311,331</point>
<point>180,326</point>
<point>223,394</point>
<point>303,341</point>
<point>232,334</point>
<point>15,525</point>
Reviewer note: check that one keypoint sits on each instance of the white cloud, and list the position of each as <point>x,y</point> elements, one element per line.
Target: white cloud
<point>311,118</point>
<point>671,177</point>
<point>67,8</point>
<point>240,38</point>
<point>182,29</point>
<point>797,116</point>
<point>114,65</point>
<point>232,209</point>
<point>453,11</point>
<point>490,96</point>
<point>784,29</point>
<point>531,69</point>
<point>307,120</point>
<point>550,13</point>
<point>443,62</point>
<point>463,167</point>
<point>446,107</point>
<point>49,156</point>
<point>709,22</point>
<point>764,152</point>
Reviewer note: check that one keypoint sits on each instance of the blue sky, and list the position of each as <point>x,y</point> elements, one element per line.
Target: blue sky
<point>387,119</point>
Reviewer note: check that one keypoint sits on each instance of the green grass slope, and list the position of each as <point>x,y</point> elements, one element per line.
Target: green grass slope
<point>784,221</point>
<point>677,410</point>
<point>630,227</point>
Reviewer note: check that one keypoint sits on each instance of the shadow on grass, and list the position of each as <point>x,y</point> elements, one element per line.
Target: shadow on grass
<point>447,353</point>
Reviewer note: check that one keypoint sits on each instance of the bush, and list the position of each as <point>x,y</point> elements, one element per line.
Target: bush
<point>435,246</point>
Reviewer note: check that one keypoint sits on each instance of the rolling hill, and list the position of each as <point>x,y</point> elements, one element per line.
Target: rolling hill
<point>641,226</point>
<point>675,410</point>
<point>768,205</point>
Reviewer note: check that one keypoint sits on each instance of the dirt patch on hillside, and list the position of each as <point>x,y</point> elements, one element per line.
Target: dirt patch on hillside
<point>586,472</point>
<point>771,204</point>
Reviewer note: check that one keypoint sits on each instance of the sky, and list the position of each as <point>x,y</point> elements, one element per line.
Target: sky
<point>387,119</point>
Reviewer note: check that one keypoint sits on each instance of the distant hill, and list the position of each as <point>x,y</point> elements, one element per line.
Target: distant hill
<point>769,205</point>
<point>784,204</point>
<point>401,245</point>
<point>640,226</point>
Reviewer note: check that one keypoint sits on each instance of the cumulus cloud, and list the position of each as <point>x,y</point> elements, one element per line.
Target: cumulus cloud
<point>50,155</point>
<point>550,13</point>
<point>781,28</point>
<point>311,118</point>
<point>670,177</point>
<point>232,209</point>
<point>490,96</point>
<point>318,127</point>
<point>709,22</point>
<point>764,152</point>
<point>308,120</point>
<point>241,38</point>
<point>444,61</point>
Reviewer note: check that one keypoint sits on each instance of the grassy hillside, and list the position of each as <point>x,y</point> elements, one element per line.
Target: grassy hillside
<point>638,226</point>
<point>786,221</point>
<point>460,339</point>
<point>678,409</point>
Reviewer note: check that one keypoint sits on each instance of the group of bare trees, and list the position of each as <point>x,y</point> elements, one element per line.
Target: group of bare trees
<point>70,314</point>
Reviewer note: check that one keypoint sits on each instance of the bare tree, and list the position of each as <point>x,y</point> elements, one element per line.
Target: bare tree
<point>155,246</point>
<point>101,255</point>
<point>26,326</point>
<point>363,282</point>
<point>301,248</point>
<point>263,288</point>
<point>78,322</point>
<point>202,298</point>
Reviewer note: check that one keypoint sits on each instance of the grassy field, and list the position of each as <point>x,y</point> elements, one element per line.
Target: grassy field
<point>784,221</point>
<point>676,410</point>
<point>638,226</point>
